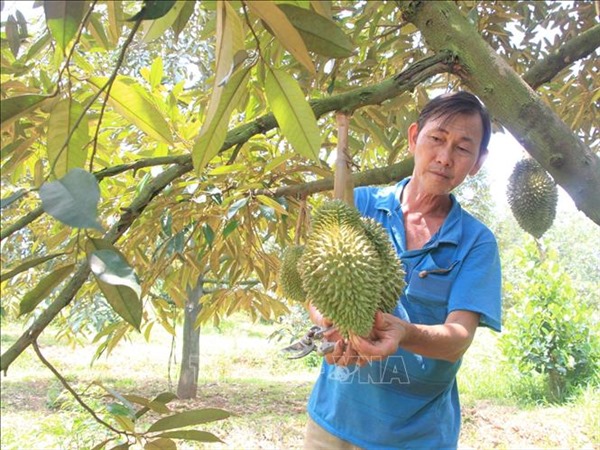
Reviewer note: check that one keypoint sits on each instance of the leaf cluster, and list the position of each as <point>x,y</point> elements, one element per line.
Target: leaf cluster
<point>550,330</point>
<point>143,137</point>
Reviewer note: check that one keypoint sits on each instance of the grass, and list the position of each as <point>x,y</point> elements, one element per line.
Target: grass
<point>242,372</point>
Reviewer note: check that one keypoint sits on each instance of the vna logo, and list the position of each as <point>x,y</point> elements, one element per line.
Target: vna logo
<point>390,371</point>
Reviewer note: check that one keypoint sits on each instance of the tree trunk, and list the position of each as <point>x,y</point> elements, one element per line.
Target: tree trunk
<point>187,386</point>
<point>511,101</point>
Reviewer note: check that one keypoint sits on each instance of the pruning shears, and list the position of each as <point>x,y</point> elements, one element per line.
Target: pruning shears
<point>308,343</point>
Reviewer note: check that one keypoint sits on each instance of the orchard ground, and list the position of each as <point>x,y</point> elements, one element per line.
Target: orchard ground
<point>242,371</point>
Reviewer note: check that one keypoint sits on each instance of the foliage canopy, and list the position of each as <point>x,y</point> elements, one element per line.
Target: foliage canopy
<point>152,143</point>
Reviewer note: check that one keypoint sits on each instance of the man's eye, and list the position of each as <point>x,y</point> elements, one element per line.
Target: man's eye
<point>435,138</point>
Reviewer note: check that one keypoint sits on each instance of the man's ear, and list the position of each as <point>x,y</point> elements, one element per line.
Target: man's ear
<point>482,157</point>
<point>413,132</point>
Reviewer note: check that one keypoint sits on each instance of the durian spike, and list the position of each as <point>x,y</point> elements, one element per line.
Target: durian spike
<point>343,187</point>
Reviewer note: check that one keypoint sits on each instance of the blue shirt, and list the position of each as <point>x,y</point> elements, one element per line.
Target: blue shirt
<point>409,401</point>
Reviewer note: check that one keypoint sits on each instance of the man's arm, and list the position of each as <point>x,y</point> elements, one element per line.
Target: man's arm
<point>447,341</point>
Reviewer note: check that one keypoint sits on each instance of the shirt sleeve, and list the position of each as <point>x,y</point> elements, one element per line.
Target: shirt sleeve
<point>478,285</point>
<point>362,198</point>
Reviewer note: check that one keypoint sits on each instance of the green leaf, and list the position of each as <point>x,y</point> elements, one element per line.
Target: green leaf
<point>73,199</point>
<point>153,405</point>
<point>134,103</point>
<point>112,268</point>
<point>153,9</point>
<point>96,29</point>
<point>228,168</point>
<point>209,234</point>
<point>122,298</point>
<point>229,228</point>
<point>320,34</point>
<point>22,22</point>
<point>13,108</point>
<point>26,265</point>
<point>12,35</point>
<point>187,418</point>
<point>230,40</point>
<point>191,435</point>
<point>233,209</point>
<point>67,151</point>
<point>102,444</point>
<point>156,72</point>
<point>63,18</point>
<point>183,18</point>
<point>293,113</point>
<point>212,135</point>
<point>283,30</point>
<point>268,212</point>
<point>165,397</point>
<point>275,162</point>
<point>116,409</point>
<point>160,444</point>
<point>115,19</point>
<point>38,46</point>
<point>43,289</point>
<point>156,28</point>
<point>162,399</point>
<point>268,201</point>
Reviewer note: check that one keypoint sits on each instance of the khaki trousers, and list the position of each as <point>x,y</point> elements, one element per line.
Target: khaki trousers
<point>318,439</point>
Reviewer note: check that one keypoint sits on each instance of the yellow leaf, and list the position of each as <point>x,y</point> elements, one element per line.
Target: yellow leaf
<point>322,7</point>
<point>115,19</point>
<point>229,41</point>
<point>293,113</point>
<point>156,28</point>
<point>268,201</point>
<point>283,30</point>
<point>131,100</point>
<point>211,137</point>
<point>67,149</point>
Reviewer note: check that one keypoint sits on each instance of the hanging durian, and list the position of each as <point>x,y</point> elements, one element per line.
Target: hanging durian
<point>392,270</point>
<point>348,268</point>
<point>341,272</point>
<point>335,211</point>
<point>289,278</point>
<point>532,196</point>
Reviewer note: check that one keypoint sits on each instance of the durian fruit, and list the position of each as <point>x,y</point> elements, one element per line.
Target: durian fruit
<point>289,278</point>
<point>532,196</point>
<point>341,273</point>
<point>392,271</point>
<point>335,211</point>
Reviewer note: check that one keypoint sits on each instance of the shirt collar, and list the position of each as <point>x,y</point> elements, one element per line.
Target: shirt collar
<point>388,200</point>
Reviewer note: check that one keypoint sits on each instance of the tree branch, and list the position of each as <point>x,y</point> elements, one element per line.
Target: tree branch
<point>348,102</point>
<point>100,175</point>
<point>79,278</point>
<point>579,47</point>
<point>21,223</point>
<point>542,133</point>
<point>68,387</point>
<point>383,175</point>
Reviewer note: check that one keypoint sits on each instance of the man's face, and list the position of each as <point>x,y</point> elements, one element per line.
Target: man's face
<point>445,152</point>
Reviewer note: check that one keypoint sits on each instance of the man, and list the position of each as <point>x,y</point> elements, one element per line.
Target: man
<point>397,389</point>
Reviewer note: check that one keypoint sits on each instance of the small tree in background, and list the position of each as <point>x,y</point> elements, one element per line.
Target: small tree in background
<point>550,328</point>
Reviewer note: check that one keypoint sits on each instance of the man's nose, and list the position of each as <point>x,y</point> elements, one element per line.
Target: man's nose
<point>443,156</point>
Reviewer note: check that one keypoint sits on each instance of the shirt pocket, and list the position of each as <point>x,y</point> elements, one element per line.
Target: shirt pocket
<point>428,292</point>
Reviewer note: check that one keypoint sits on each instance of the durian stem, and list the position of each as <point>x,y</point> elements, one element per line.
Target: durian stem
<point>343,188</point>
<point>303,220</point>
<point>541,250</point>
